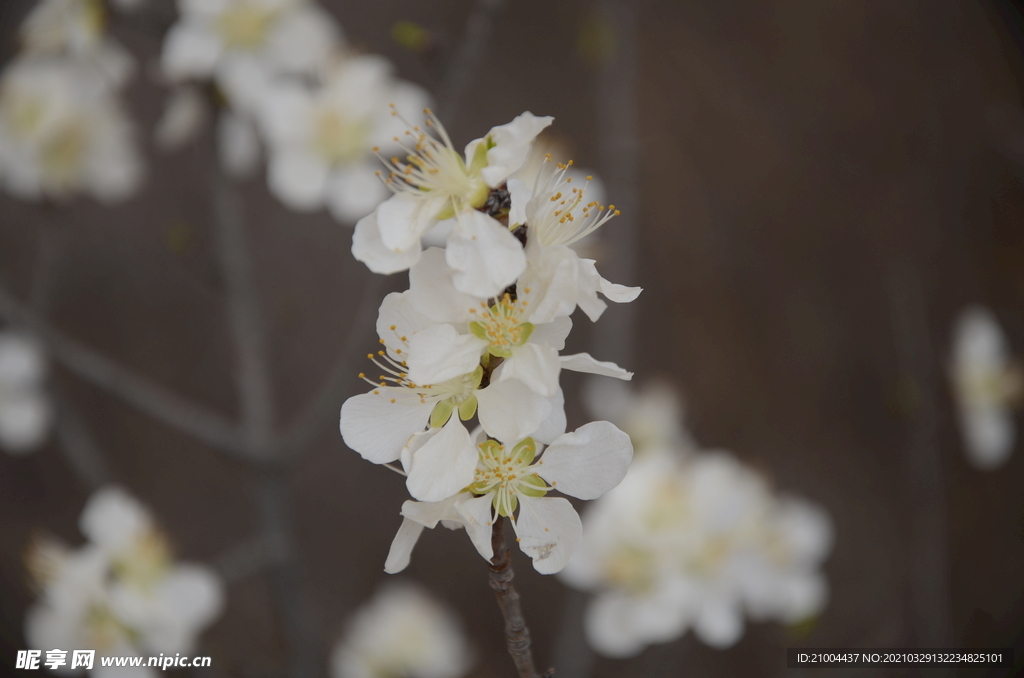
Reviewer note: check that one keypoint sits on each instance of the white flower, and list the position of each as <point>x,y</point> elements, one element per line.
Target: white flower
<point>465,327</point>
<point>74,29</point>
<point>402,631</point>
<point>120,594</point>
<point>242,44</point>
<point>557,214</point>
<point>319,138</point>
<point>696,544</point>
<point>987,385</point>
<point>435,182</point>
<point>584,464</point>
<point>62,131</point>
<point>380,425</point>
<point>25,410</point>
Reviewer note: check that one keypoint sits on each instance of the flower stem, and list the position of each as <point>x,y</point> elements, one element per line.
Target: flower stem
<point>517,635</point>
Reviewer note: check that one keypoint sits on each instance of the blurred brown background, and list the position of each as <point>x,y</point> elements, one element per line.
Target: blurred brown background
<point>821,187</point>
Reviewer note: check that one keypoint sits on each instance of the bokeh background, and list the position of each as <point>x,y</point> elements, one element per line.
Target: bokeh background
<point>811,193</point>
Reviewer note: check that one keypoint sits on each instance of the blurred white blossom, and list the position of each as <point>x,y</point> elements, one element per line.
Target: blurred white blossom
<point>75,30</point>
<point>243,44</point>
<point>402,631</point>
<point>696,544</point>
<point>691,540</point>
<point>62,131</point>
<point>120,593</point>
<point>320,137</point>
<point>26,412</point>
<point>987,385</point>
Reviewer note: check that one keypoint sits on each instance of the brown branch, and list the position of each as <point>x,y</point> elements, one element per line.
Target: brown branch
<point>517,635</point>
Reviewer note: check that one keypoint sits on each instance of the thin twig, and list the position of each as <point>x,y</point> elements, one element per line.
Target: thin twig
<point>517,635</point>
<point>324,407</point>
<point>255,393</point>
<point>252,375</point>
<point>153,399</point>
<point>929,551</point>
<point>78,447</point>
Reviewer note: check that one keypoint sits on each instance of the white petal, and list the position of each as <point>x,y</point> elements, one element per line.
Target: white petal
<point>536,365</point>
<point>444,465</point>
<point>519,194</point>
<point>286,114</point>
<point>429,514</point>
<point>238,147</point>
<point>112,518</point>
<point>302,40</point>
<point>720,623</point>
<point>582,362</point>
<point>25,421</point>
<point>368,248</point>
<point>554,425</point>
<point>476,515</point>
<point>245,81</point>
<point>403,219</point>
<point>553,333</point>
<point>484,256</point>
<point>190,50</point>
<point>439,353</point>
<point>22,363</point>
<point>553,278</point>
<point>510,411</point>
<point>549,531</point>
<point>620,294</point>
<point>183,117</point>
<point>298,178</point>
<point>432,291</point>
<point>989,434</point>
<point>353,192</point>
<point>399,312</point>
<point>377,428</point>
<point>402,545</point>
<point>589,461</point>
<point>512,143</point>
<point>608,627</point>
<point>806,529</point>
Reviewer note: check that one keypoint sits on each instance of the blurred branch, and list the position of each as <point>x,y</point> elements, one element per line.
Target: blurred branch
<point>79,448</point>
<point>467,59</point>
<point>929,551</point>
<point>154,400</point>
<point>517,635</point>
<point>252,375</point>
<point>324,408</point>
<point>249,557</point>
<point>255,393</point>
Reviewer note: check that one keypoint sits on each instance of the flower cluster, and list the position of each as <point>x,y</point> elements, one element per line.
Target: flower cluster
<point>26,412</point>
<point>402,631</point>
<point>692,539</point>
<point>480,334</point>
<point>988,387</point>
<point>120,593</point>
<point>289,82</point>
<point>62,128</point>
